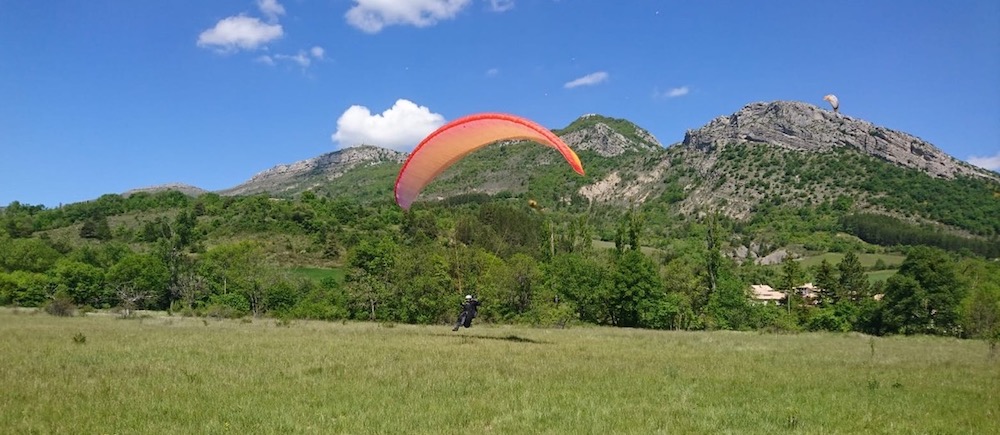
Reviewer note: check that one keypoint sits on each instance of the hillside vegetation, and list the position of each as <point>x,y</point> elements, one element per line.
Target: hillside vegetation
<point>690,227</point>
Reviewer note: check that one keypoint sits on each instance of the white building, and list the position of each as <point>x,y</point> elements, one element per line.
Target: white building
<point>764,293</point>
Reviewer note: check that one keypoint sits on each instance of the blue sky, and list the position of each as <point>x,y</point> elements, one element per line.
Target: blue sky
<point>102,96</point>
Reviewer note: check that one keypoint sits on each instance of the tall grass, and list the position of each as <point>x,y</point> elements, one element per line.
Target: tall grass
<point>100,374</point>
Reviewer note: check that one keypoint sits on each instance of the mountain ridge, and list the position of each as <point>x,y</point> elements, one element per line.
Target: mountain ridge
<point>797,125</point>
<point>311,173</point>
<point>765,154</point>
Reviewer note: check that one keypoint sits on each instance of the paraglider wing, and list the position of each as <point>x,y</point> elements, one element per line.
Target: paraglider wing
<point>833,101</point>
<point>458,138</point>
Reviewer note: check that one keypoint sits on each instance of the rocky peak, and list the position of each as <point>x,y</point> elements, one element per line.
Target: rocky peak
<point>336,162</point>
<point>607,137</point>
<point>315,171</point>
<point>803,126</point>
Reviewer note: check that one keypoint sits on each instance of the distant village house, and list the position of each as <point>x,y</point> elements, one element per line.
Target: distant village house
<point>765,294</point>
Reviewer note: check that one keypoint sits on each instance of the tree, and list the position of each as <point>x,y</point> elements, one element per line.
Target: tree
<point>239,268</point>
<point>25,288</point>
<point>634,280</point>
<point>713,253</point>
<point>980,310</point>
<point>853,284</point>
<point>371,264</point>
<point>19,220</point>
<point>140,275</point>
<point>826,284</point>
<point>131,297</point>
<point>96,227</point>
<point>981,313</point>
<point>522,279</point>
<point>184,234</point>
<point>791,274</point>
<point>581,281</point>
<point>684,288</point>
<point>32,255</point>
<point>190,288</point>
<point>419,227</point>
<point>924,296</point>
<point>82,282</point>
<point>728,306</point>
<point>426,293</point>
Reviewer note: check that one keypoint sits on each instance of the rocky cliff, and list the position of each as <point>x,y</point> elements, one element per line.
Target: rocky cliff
<point>307,174</point>
<point>802,126</point>
<point>607,136</point>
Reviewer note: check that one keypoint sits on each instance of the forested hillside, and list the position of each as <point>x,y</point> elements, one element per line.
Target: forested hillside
<point>236,256</point>
<point>651,237</point>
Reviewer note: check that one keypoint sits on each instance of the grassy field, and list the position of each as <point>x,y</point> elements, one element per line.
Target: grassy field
<point>880,275</point>
<point>101,374</point>
<point>867,260</point>
<point>603,245</point>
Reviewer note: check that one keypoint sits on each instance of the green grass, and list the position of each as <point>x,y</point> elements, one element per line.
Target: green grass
<point>880,275</point>
<point>605,245</point>
<point>318,273</point>
<point>100,374</point>
<point>867,260</point>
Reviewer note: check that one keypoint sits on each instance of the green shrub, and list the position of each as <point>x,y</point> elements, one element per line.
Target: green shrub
<point>229,305</point>
<point>62,306</point>
<point>828,320</point>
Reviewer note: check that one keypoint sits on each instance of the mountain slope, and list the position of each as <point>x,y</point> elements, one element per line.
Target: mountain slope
<point>310,174</point>
<point>762,157</point>
<point>787,154</point>
<point>801,126</point>
<point>186,189</point>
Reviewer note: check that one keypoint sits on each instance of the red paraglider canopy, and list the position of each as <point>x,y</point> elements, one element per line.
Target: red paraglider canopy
<point>458,138</point>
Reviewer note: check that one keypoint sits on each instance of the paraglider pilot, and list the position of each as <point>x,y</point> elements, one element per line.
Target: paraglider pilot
<point>469,308</point>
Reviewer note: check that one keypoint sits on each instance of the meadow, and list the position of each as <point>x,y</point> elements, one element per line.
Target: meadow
<point>160,374</point>
<point>866,260</point>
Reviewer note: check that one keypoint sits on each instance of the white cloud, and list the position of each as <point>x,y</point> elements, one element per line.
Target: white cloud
<point>492,72</point>
<point>501,5</point>
<point>672,92</point>
<point>239,32</point>
<point>401,127</point>
<point>372,16</point>
<point>990,162</point>
<point>301,58</point>
<point>271,9</point>
<point>588,80</point>
<point>265,59</point>
<point>677,92</point>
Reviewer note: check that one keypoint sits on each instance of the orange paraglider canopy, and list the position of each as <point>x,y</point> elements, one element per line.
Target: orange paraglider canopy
<point>458,138</point>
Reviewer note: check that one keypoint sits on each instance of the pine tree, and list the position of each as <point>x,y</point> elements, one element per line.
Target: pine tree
<point>96,228</point>
<point>853,284</point>
<point>826,283</point>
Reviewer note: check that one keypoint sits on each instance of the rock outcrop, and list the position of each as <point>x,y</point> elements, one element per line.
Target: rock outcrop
<point>606,141</point>
<point>305,174</point>
<point>802,126</point>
